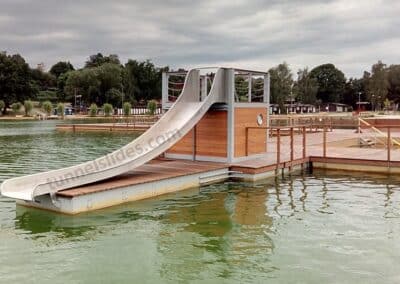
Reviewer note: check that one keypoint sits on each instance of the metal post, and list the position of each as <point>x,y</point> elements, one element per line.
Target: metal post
<point>389,144</point>
<point>230,96</point>
<point>164,90</point>
<point>266,100</point>
<point>194,142</point>
<point>304,142</point>
<point>278,147</point>
<point>204,88</point>
<point>247,141</point>
<point>324,142</point>
<point>291,144</point>
<point>249,91</point>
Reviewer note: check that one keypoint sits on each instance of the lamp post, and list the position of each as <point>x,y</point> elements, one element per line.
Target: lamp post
<point>359,102</point>
<point>77,96</point>
<point>122,98</point>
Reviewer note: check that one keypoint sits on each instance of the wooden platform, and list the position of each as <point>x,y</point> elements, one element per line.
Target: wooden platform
<point>163,176</point>
<point>102,127</point>
<point>156,170</point>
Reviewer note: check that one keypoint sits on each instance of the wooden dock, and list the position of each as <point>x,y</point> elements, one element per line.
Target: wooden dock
<point>85,127</point>
<point>285,154</point>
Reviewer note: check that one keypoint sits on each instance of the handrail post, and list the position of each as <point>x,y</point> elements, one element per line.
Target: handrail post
<point>389,144</point>
<point>304,142</point>
<point>291,144</point>
<point>194,142</point>
<point>278,147</point>
<point>324,142</point>
<point>247,142</point>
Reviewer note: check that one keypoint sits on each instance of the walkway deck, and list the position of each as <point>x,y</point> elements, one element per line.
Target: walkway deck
<point>314,149</point>
<point>165,176</point>
<point>103,127</point>
<point>156,170</point>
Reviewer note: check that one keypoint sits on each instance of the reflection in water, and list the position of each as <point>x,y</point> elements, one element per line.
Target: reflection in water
<point>227,231</point>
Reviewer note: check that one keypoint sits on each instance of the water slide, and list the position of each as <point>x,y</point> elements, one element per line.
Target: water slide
<point>184,114</point>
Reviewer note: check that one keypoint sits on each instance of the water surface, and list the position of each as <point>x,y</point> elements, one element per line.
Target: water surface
<point>312,228</point>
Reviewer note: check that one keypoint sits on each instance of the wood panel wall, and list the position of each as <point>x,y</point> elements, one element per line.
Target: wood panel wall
<point>211,137</point>
<point>256,143</point>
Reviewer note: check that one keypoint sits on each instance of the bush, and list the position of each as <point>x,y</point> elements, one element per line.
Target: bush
<point>151,107</point>
<point>28,105</point>
<point>108,109</point>
<point>47,107</point>
<point>60,109</point>
<point>93,110</point>
<point>16,107</point>
<point>127,108</point>
<point>2,105</point>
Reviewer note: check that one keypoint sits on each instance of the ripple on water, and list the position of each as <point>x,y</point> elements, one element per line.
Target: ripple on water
<point>324,227</point>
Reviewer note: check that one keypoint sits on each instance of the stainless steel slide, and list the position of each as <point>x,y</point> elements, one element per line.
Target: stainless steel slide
<point>174,124</point>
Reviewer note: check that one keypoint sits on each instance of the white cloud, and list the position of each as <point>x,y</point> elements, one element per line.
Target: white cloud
<point>250,34</point>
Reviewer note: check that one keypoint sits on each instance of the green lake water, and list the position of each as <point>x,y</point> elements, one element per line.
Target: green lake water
<point>325,227</point>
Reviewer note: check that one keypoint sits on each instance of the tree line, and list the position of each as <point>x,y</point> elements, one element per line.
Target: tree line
<point>380,86</point>
<point>105,80</point>
<point>102,80</point>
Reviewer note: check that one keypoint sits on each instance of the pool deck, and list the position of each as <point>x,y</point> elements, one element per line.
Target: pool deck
<point>161,176</point>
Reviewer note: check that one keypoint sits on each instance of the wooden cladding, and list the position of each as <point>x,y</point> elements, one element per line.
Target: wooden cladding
<point>211,137</point>
<point>256,138</point>
<point>211,134</point>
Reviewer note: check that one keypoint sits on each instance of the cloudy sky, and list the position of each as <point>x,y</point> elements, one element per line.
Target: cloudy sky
<point>181,33</point>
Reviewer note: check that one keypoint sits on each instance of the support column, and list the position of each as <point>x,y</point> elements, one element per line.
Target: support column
<point>203,87</point>
<point>266,100</point>
<point>230,96</point>
<point>164,91</point>
<point>249,86</point>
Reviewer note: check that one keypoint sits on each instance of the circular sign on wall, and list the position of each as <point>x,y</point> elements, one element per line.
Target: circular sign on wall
<point>260,119</point>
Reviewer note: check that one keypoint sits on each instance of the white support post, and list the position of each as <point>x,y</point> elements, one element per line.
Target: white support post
<point>249,91</point>
<point>164,90</point>
<point>230,95</point>
<point>267,101</point>
<point>203,87</point>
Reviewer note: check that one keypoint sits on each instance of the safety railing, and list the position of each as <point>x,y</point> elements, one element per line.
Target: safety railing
<point>278,132</point>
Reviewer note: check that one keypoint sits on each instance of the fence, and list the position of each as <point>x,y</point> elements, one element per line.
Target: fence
<point>278,132</point>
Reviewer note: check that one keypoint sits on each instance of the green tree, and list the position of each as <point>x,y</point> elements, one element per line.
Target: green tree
<point>93,110</point>
<point>331,82</point>
<point>95,83</point>
<point>108,109</point>
<point>353,91</point>
<point>151,107</point>
<point>61,83</point>
<point>60,110</point>
<point>47,107</point>
<point>60,68</point>
<point>127,108</point>
<point>393,73</point>
<point>16,107</point>
<point>114,96</point>
<point>142,80</point>
<point>83,82</point>
<point>43,80</point>
<point>15,79</point>
<point>378,84</point>
<point>281,82</point>
<point>98,59</point>
<point>305,87</point>
<point>28,106</point>
<point>110,77</point>
<point>2,106</point>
